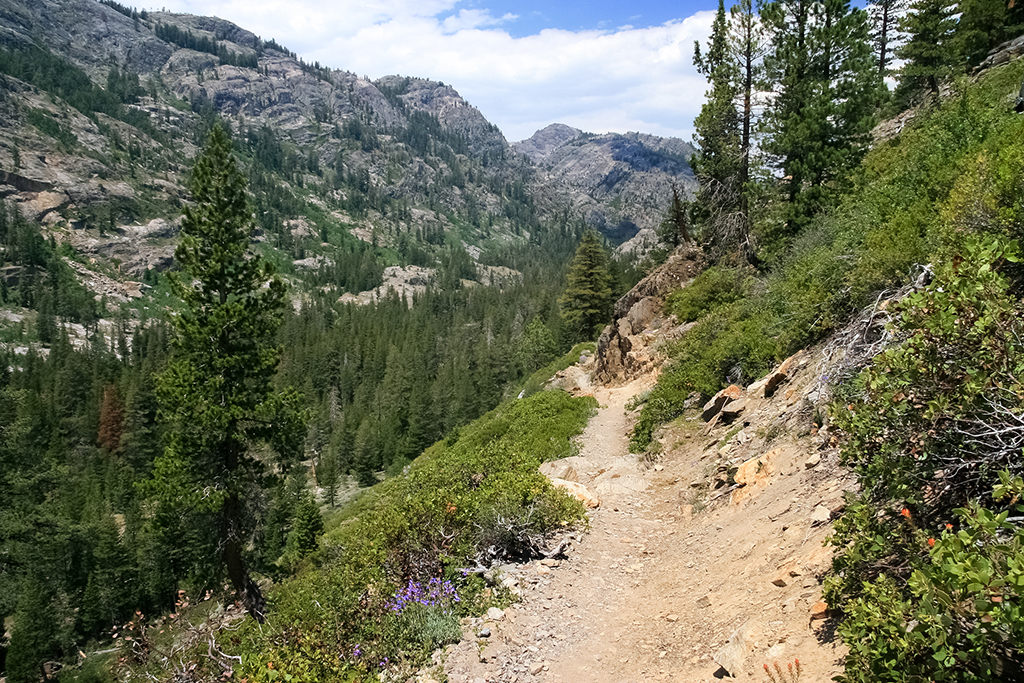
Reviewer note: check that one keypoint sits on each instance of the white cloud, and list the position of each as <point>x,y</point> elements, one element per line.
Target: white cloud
<point>468,19</point>
<point>617,80</point>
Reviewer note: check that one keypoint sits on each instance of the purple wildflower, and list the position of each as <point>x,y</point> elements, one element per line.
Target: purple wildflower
<point>435,592</point>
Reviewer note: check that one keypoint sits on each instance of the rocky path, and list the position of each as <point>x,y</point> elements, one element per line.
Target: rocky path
<point>654,591</point>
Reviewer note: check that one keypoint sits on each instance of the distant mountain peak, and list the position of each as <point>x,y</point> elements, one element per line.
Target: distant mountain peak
<point>541,144</point>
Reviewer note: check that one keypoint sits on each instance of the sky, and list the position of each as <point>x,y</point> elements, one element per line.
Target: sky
<point>600,66</point>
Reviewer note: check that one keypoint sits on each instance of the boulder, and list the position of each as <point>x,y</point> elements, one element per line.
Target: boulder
<point>766,386</point>
<point>578,491</point>
<point>733,655</point>
<point>642,314</point>
<point>732,409</point>
<point>718,401</point>
<point>559,469</point>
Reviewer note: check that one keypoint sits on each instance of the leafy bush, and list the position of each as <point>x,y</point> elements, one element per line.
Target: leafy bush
<point>930,427</point>
<point>467,502</point>
<point>958,617</point>
<point>713,289</point>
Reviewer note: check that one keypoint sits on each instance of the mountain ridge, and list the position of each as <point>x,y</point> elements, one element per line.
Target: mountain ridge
<point>400,142</point>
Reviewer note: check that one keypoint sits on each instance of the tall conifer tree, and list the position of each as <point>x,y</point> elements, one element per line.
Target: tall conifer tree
<point>216,393</point>
<point>717,138</point>
<point>885,31</point>
<point>747,44</point>
<point>929,27</point>
<point>586,302</point>
<point>825,85</point>
<point>983,25</point>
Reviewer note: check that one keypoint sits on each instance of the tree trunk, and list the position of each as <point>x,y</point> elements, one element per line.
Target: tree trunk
<point>247,590</point>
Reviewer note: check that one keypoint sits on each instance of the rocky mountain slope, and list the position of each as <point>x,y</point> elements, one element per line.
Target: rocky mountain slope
<point>618,181</point>
<point>99,150</point>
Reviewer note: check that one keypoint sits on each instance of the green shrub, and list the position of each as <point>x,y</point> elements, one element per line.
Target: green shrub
<point>959,616</point>
<point>473,499</point>
<point>924,430</point>
<point>710,291</point>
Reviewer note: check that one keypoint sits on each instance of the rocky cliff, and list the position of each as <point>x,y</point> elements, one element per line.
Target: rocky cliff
<point>630,346</point>
<point>621,183</point>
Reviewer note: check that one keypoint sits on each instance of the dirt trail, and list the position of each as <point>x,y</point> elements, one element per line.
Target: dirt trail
<point>653,591</point>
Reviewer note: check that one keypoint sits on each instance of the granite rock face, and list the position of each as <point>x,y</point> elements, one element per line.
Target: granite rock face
<point>627,348</point>
<point>620,183</point>
<point>106,176</point>
<point>545,141</point>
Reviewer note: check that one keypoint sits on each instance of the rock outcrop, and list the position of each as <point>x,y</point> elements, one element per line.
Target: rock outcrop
<point>541,144</point>
<point>626,348</point>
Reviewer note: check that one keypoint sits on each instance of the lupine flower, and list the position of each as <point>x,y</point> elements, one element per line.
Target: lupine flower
<point>436,592</point>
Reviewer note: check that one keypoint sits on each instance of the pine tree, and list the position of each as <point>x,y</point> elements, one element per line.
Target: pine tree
<point>34,637</point>
<point>983,25</point>
<point>718,163</point>
<point>307,527</point>
<point>537,348</point>
<point>885,33</point>
<point>328,473</point>
<point>111,420</point>
<point>216,393</point>
<point>586,303</point>
<point>929,27</point>
<point>675,228</point>
<point>716,133</point>
<point>825,83</point>
<point>747,43</point>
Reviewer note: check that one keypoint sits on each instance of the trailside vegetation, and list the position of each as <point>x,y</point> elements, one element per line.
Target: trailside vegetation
<point>930,567</point>
<point>928,577</point>
<point>390,580</point>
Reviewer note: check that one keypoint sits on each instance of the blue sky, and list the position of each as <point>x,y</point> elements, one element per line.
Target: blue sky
<point>599,66</point>
<point>534,16</point>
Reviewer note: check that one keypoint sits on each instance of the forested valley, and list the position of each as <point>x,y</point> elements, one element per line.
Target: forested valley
<point>272,403</point>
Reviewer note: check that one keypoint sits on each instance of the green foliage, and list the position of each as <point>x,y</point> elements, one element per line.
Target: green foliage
<point>929,25</point>
<point>955,173</point>
<point>818,124</point>
<point>124,85</point>
<point>957,358</point>
<point>586,303</point>
<point>307,527</point>
<point>537,347</point>
<point>922,428</point>
<point>45,282</point>
<point>676,228</point>
<point>958,617</point>
<point>718,161</point>
<point>216,393</point>
<point>475,498</point>
<point>187,39</point>
<point>713,289</point>
<point>982,26</point>
<point>47,125</point>
<point>48,72</point>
